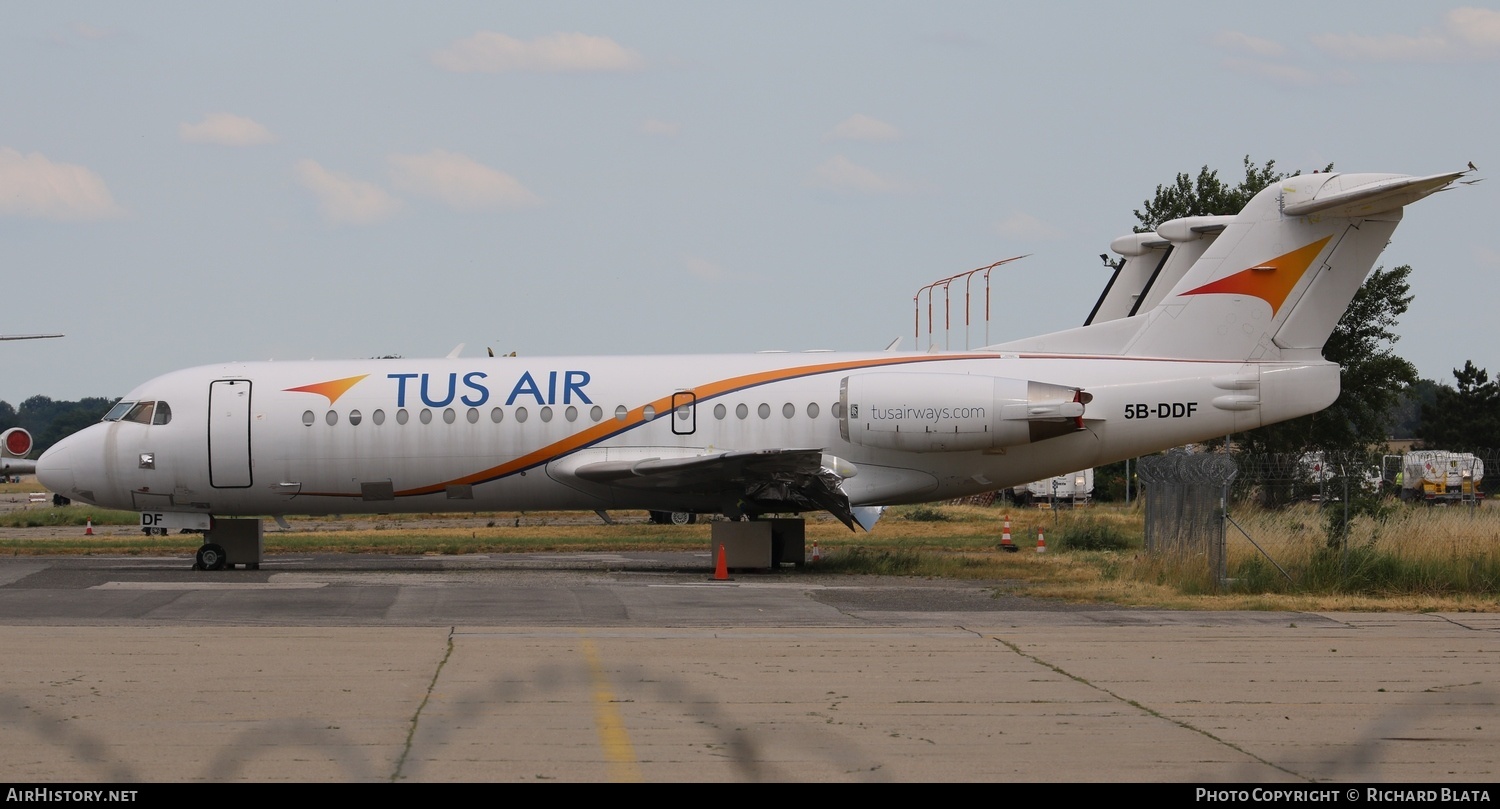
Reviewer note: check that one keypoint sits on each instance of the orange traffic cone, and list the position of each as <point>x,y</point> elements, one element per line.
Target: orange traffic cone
<point>817,554</point>
<point>89,531</point>
<point>1005,543</point>
<point>721,568</point>
<point>1041,541</point>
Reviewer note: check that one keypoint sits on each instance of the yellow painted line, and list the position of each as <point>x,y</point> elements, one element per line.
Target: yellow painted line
<point>613,736</point>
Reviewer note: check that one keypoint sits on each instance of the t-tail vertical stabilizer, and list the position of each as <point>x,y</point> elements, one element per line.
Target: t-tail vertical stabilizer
<point>1274,284</point>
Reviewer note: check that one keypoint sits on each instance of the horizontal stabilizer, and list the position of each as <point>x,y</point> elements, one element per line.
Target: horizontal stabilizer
<point>1395,191</point>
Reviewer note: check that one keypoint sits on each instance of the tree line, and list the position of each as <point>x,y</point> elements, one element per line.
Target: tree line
<point>50,421</point>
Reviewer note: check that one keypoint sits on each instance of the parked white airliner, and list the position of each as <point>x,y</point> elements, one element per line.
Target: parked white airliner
<point>1235,344</point>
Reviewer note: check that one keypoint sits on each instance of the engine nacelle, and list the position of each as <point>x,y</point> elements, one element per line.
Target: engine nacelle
<point>954,412</point>
<point>15,443</point>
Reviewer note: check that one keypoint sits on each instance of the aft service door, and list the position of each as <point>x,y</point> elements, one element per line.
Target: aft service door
<point>684,412</point>
<point>229,433</point>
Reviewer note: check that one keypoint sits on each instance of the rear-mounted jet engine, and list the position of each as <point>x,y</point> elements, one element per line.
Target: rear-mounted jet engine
<point>955,412</point>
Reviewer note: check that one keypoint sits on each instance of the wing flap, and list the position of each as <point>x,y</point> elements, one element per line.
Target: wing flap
<point>748,482</point>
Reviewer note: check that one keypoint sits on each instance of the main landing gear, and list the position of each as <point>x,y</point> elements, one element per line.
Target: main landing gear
<point>210,557</point>
<point>673,517</point>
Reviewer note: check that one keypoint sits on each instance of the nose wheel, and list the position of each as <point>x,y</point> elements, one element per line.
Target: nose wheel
<point>210,557</point>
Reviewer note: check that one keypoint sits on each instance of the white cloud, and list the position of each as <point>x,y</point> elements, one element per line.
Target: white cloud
<point>1487,256</point>
<point>962,39</point>
<point>652,126</point>
<point>225,130</point>
<point>33,186</point>
<point>1266,59</point>
<point>1387,48</point>
<point>863,127</point>
<point>705,269</point>
<point>1026,226</point>
<point>1476,27</point>
<point>1464,34</point>
<point>1284,73</point>
<point>72,33</point>
<point>346,200</point>
<point>490,52</point>
<point>1244,43</point>
<point>458,181</point>
<point>87,31</point>
<point>839,173</point>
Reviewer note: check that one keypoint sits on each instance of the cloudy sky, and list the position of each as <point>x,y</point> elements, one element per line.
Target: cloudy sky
<point>186,183</point>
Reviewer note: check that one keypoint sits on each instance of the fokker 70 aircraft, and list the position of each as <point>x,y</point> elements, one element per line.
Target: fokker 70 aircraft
<point>1235,343</point>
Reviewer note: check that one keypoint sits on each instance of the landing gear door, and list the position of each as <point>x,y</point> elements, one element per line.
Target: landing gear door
<point>229,433</point>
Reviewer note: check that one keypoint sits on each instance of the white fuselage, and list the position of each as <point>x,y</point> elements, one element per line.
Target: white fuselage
<point>508,433</point>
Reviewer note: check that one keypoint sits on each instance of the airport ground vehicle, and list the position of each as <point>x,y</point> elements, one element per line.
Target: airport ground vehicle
<point>1070,489</point>
<point>1440,477</point>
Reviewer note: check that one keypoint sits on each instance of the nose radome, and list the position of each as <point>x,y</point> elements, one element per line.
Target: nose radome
<point>54,470</point>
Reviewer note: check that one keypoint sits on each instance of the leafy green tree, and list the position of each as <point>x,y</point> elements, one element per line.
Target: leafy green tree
<point>1207,195</point>
<point>1406,417</point>
<point>49,420</point>
<point>71,418</point>
<point>1465,418</point>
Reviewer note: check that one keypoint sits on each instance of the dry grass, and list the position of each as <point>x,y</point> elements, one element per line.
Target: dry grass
<point>964,542</point>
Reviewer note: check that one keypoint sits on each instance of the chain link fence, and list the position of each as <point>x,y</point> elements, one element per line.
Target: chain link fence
<point>1185,506</point>
<point>1414,506</point>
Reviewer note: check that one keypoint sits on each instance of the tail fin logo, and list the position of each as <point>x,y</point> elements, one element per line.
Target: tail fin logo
<point>332,389</point>
<point>1271,281</point>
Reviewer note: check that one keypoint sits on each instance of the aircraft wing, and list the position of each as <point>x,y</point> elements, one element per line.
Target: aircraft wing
<point>762,480</point>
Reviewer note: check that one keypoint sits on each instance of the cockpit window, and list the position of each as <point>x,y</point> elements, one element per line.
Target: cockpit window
<point>141,412</point>
<point>119,410</point>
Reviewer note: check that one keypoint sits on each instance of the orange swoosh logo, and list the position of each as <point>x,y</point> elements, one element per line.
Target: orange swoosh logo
<point>332,389</point>
<point>1270,281</point>
<point>610,426</point>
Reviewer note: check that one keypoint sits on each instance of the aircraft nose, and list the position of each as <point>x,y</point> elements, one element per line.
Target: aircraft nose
<point>54,469</point>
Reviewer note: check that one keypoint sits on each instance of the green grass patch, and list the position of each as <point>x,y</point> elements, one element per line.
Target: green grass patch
<point>1095,535</point>
<point>67,515</point>
<point>873,561</point>
<point>926,513</point>
<point>900,560</point>
<point>1372,570</point>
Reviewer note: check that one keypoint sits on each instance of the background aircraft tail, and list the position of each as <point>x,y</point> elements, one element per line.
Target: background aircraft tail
<point>1273,284</point>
